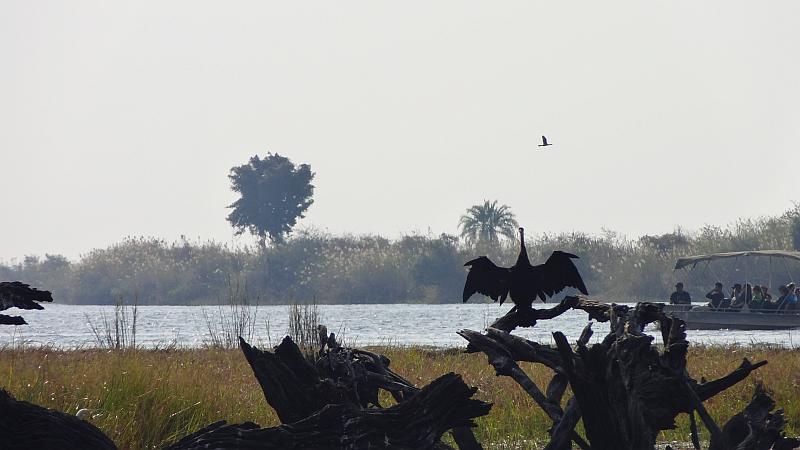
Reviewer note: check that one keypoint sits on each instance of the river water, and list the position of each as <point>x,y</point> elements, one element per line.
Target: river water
<point>69,326</point>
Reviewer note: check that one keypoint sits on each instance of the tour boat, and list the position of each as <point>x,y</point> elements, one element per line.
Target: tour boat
<point>706,317</point>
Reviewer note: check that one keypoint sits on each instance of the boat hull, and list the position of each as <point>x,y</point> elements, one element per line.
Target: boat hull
<point>737,320</point>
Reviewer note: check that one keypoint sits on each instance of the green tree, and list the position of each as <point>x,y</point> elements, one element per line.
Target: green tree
<point>482,225</point>
<point>274,194</point>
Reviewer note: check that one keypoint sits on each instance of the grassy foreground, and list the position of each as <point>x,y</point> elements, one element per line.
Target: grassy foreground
<point>148,398</point>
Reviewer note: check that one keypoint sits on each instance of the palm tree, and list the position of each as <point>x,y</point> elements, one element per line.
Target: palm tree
<point>483,224</point>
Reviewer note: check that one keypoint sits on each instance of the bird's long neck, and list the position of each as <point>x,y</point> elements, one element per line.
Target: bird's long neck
<point>523,252</point>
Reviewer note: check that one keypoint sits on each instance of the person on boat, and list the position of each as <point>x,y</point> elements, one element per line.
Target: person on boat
<point>757,302</point>
<point>680,297</point>
<point>716,295</point>
<point>736,289</point>
<point>737,296</point>
<point>781,303</point>
<point>769,305</point>
<point>765,293</point>
<point>791,297</point>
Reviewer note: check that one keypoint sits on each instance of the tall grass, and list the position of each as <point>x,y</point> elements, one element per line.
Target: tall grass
<point>119,331</point>
<point>304,320</point>
<point>236,316</point>
<point>147,398</point>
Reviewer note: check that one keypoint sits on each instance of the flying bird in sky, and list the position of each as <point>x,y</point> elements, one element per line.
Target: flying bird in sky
<point>522,281</point>
<point>544,142</point>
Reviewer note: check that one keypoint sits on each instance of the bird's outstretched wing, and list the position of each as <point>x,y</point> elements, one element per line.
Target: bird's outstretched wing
<point>557,273</point>
<point>14,294</point>
<point>486,278</point>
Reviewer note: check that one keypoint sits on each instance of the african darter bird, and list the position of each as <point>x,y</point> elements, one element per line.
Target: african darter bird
<point>523,282</point>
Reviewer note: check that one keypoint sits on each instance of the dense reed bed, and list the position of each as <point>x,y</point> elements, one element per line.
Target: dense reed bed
<point>147,398</point>
<point>415,268</point>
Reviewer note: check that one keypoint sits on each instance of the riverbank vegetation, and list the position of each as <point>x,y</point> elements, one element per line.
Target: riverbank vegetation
<point>317,266</point>
<point>146,398</point>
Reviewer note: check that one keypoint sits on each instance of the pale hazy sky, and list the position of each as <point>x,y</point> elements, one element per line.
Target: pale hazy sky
<point>123,118</point>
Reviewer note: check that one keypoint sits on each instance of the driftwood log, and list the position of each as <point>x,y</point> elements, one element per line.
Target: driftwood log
<point>14,294</point>
<point>416,423</point>
<point>757,427</point>
<point>331,401</point>
<point>25,426</point>
<point>12,320</point>
<point>624,389</point>
<point>296,388</point>
<point>503,351</point>
<point>527,317</point>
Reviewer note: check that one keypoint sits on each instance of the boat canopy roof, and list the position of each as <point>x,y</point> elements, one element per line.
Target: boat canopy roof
<point>693,260</point>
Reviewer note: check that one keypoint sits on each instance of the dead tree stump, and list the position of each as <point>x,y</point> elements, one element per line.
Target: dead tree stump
<point>416,423</point>
<point>25,426</point>
<point>14,294</point>
<point>332,401</point>
<point>757,427</point>
<point>624,388</point>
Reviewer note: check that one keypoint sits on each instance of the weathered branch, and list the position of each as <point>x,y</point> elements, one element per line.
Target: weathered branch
<point>600,426</point>
<point>563,431</point>
<point>416,423</point>
<point>290,384</point>
<point>14,294</point>
<point>503,350</point>
<point>527,317</point>
<point>25,426</point>
<point>712,388</point>
<point>12,320</point>
<point>755,428</point>
<point>296,389</point>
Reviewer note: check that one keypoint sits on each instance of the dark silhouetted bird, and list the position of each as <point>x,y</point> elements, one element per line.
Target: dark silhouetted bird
<point>544,142</point>
<point>522,281</point>
<point>14,294</point>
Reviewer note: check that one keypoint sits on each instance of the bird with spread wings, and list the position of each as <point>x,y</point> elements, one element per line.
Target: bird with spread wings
<point>523,282</point>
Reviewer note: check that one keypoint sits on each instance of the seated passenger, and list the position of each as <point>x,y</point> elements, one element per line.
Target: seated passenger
<point>781,303</point>
<point>737,296</point>
<point>791,297</point>
<point>769,305</point>
<point>680,297</point>
<point>716,296</point>
<point>757,302</point>
<point>736,290</point>
<point>765,293</point>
